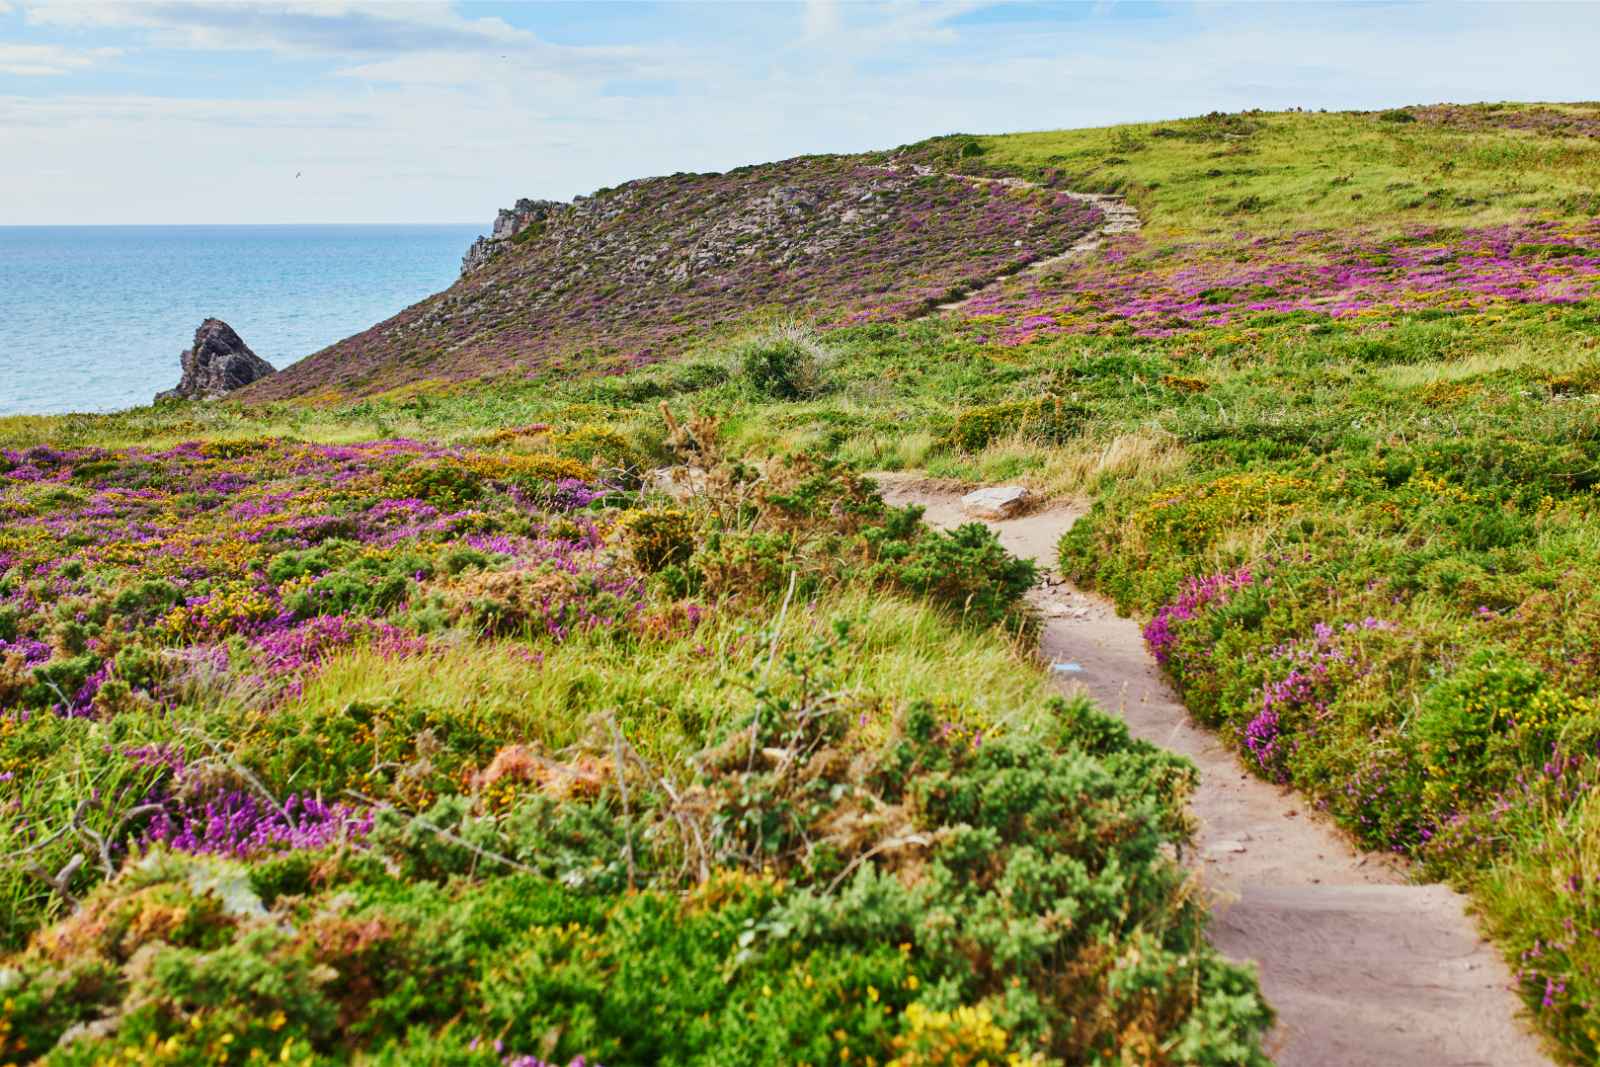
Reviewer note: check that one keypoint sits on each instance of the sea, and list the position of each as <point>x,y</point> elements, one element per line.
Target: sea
<point>93,318</point>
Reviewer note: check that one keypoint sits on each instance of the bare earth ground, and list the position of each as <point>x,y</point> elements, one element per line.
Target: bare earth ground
<point>1364,969</point>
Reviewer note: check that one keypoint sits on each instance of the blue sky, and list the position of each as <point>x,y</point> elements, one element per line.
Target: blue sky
<point>171,112</point>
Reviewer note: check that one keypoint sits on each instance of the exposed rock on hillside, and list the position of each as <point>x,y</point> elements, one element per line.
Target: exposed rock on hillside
<point>511,223</point>
<point>217,363</point>
<point>632,274</point>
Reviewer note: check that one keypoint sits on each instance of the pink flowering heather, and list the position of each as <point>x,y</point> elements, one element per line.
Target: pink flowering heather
<point>1548,121</point>
<point>240,825</point>
<point>305,644</point>
<point>1306,687</point>
<point>1161,291</point>
<point>32,652</point>
<point>514,1059</point>
<point>1161,633</point>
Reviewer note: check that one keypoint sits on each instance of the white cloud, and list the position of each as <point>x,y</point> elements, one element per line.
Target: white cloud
<point>451,130</point>
<point>866,29</point>
<point>70,119</point>
<point>299,27</point>
<point>409,43</point>
<point>821,19</point>
<point>48,60</point>
<point>533,64</point>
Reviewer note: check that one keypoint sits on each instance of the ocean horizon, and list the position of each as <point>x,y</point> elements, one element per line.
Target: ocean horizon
<point>93,318</point>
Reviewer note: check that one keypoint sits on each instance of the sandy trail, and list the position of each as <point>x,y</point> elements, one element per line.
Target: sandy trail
<point>1117,216</point>
<point>1364,969</point>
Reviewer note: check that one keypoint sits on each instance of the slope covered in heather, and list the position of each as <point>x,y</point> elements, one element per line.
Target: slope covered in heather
<point>1334,415</point>
<point>631,274</point>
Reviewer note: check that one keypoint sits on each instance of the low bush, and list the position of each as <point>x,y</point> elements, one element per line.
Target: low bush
<point>838,895</point>
<point>784,363</point>
<point>1048,420</point>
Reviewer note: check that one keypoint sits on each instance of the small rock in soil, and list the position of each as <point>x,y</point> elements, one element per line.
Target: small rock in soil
<point>680,483</point>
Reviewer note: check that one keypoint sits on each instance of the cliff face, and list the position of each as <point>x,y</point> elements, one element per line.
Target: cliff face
<point>509,224</point>
<point>634,273</point>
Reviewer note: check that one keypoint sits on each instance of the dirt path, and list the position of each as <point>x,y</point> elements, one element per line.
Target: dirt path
<point>1364,969</point>
<point>1119,215</point>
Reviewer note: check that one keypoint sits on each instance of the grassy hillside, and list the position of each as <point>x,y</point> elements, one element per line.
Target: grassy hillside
<point>1264,172</point>
<point>629,275</point>
<point>1337,408</point>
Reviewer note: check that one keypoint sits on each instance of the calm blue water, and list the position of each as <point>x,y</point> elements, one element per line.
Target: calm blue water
<point>92,318</point>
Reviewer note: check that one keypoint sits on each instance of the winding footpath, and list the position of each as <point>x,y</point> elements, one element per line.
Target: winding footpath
<point>1363,968</point>
<point>1117,217</point>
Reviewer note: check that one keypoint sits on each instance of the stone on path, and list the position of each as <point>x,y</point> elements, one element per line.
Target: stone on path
<point>995,502</point>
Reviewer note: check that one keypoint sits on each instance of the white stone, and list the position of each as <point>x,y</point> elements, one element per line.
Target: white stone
<point>995,502</point>
<point>680,483</point>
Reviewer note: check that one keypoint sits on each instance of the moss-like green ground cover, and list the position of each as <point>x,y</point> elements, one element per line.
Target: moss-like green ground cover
<point>399,753</point>
<point>1357,513</point>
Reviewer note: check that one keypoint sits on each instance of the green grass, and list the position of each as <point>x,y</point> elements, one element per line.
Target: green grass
<point>660,692</point>
<point>1267,171</point>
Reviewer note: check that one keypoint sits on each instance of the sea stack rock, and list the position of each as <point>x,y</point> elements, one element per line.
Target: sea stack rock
<point>219,363</point>
<point>508,224</point>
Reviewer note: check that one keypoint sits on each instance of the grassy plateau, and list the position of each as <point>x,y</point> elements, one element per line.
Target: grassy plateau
<point>410,719</point>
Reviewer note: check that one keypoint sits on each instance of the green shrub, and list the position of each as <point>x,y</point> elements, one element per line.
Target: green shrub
<point>371,585</point>
<point>965,571</point>
<point>1047,419</point>
<point>147,601</point>
<point>1483,722</point>
<point>659,538</point>
<point>407,751</point>
<point>786,363</point>
<point>56,682</point>
<point>596,444</point>
<point>442,483</point>
<point>461,927</point>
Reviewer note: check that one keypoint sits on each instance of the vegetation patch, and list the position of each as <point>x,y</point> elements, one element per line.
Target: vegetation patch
<point>1341,450</point>
<point>397,752</point>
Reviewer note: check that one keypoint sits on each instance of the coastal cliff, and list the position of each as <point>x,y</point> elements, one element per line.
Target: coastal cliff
<point>633,274</point>
<point>510,224</point>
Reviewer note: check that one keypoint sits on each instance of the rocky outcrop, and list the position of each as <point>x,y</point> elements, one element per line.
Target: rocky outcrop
<point>509,224</point>
<point>644,271</point>
<point>218,363</point>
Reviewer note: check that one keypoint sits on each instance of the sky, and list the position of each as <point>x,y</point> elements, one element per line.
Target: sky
<point>319,111</point>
